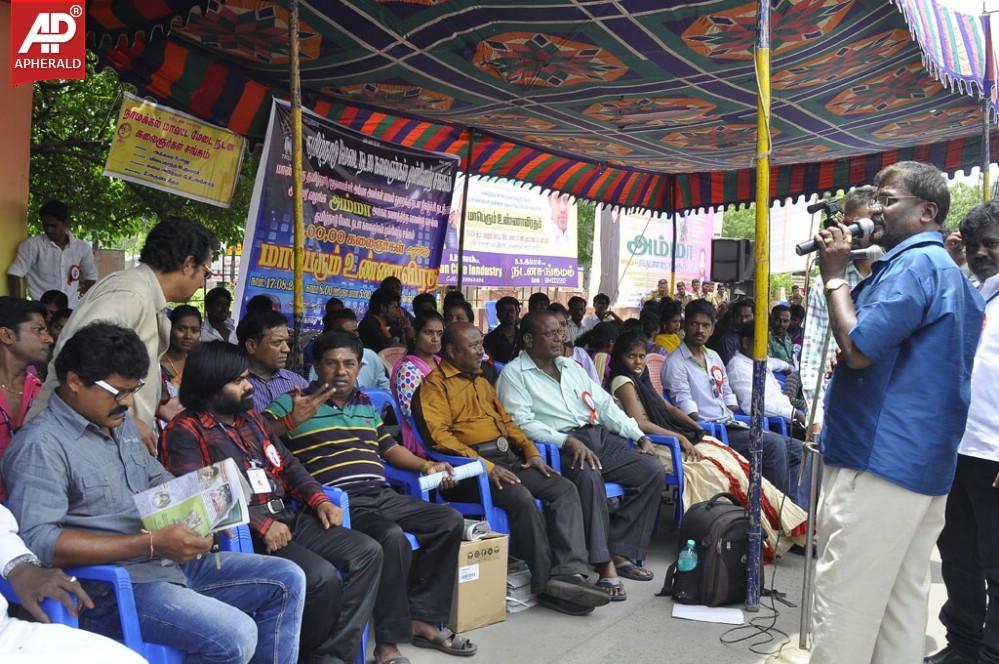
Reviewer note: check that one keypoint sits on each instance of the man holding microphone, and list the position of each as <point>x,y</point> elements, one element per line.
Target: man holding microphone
<point>895,414</point>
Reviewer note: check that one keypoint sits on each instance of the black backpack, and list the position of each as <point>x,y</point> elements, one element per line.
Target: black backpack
<point>719,531</point>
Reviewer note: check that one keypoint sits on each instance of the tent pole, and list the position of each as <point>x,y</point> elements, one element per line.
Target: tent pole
<point>464,207</point>
<point>986,157</point>
<point>762,260</point>
<point>672,258</point>
<point>296,179</point>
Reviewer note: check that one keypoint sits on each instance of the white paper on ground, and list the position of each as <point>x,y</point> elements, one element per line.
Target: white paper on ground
<point>712,614</point>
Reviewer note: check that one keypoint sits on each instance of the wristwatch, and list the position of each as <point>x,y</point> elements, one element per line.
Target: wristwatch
<point>833,284</point>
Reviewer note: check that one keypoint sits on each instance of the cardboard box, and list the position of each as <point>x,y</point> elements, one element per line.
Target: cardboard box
<point>480,586</point>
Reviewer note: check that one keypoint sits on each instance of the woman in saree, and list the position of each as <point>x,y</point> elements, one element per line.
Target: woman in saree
<point>422,358</point>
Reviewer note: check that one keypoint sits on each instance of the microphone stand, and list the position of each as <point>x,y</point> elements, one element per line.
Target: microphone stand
<point>812,454</point>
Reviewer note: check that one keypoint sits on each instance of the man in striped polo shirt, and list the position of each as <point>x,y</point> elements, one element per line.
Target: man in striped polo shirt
<point>345,445</point>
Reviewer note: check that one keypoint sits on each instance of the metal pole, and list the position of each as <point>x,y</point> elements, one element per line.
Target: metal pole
<point>464,207</point>
<point>762,259</point>
<point>672,266</point>
<point>812,452</point>
<point>296,180</point>
<point>986,125</point>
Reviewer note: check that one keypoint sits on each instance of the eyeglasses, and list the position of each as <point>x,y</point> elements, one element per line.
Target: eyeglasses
<point>886,200</point>
<point>118,393</point>
<point>551,334</point>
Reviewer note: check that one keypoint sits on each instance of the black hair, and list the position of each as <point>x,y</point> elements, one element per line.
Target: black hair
<point>538,297</point>
<point>979,219</point>
<point>857,198</point>
<point>632,325</point>
<point>702,307</point>
<point>650,323</point>
<point>574,299</point>
<point>56,297</point>
<point>54,208</point>
<point>797,311</point>
<point>259,304</point>
<point>183,311</point>
<point>14,311</point>
<point>423,299</point>
<point>256,326</point>
<point>450,297</point>
<point>558,308</point>
<point>779,309</point>
<point>333,304</point>
<point>209,367</point>
<point>336,339</point>
<point>217,293</point>
<point>333,316</point>
<point>923,181</point>
<point>530,323</point>
<point>421,322</point>
<point>601,296</point>
<point>467,307</point>
<point>382,298</point>
<point>507,300</point>
<point>173,241</point>
<point>603,334</point>
<point>747,331</point>
<point>625,342</point>
<point>390,280</point>
<point>669,309</point>
<point>100,349</point>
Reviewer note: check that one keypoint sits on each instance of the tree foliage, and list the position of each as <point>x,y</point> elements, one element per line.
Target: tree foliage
<point>72,126</point>
<point>963,197</point>
<point>586,214</point>
<point>739,223</point>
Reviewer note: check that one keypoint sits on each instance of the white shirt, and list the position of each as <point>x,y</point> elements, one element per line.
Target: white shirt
<point>740,377</point>
<point>981,435</point>
<point>590,321</point>
<point>48,266</point>
<point>11,546</point>
<point>693,388</point>
<point>209,333</point>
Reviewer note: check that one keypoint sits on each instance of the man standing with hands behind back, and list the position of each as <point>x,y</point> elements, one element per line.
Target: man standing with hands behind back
<point>895,414</point>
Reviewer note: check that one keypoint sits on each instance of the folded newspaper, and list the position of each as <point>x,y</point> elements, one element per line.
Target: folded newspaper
<point>475,530</point>
<point>210,499</point>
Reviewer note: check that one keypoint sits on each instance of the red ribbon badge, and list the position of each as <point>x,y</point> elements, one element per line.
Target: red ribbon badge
<point>591,405</point>
<point>718,377</point>
<point>73,275</point>
<point>272,455</point>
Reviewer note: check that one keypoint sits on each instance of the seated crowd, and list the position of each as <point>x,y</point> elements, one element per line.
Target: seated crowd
<point>92,419</point>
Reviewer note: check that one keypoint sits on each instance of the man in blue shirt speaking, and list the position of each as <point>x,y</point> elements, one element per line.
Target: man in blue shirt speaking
<point>895,413</point>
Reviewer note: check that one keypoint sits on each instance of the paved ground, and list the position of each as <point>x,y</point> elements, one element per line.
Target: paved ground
<point>641,629</point>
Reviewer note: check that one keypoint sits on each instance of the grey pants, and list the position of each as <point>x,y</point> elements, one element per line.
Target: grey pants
<point>628,530</point>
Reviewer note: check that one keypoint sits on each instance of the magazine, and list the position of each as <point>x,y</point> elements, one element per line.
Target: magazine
<point>208,500</point>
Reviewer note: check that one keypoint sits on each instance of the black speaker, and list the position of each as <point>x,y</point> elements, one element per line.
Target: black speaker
<point>731,260</point>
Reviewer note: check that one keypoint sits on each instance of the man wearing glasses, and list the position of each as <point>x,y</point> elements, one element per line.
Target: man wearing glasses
<point>895,413</point>
<point>174,263</point>
<point>71,474</point>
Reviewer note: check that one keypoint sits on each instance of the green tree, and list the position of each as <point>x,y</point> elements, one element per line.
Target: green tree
<point>739,223</point>
<point>586,213</point>
<point>963,197</point>
<point>73,123</point>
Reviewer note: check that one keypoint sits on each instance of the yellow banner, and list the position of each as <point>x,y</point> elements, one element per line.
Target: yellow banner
<point>164,149</point>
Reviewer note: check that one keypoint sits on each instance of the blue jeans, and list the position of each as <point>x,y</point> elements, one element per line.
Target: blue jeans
<point>250,610</point>
<point>781,462</point>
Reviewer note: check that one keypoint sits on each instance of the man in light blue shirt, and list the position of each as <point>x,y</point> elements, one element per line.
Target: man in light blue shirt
<point>895,413</point>
<point>372,374</point>
<point>554,401</point>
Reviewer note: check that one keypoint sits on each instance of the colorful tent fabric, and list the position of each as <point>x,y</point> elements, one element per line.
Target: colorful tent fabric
<point>623,102</point>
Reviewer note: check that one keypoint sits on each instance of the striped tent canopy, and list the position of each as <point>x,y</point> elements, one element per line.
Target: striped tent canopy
<point>623,102</point>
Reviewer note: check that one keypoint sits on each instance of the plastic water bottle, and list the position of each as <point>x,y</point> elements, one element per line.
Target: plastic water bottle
<point>687,560</point>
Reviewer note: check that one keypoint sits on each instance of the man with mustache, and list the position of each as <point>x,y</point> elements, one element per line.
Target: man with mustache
<point>895,413</point>
<point>71,474</point>
<point>969,543</point>
<point>345,444</point>
<point>220,423</point>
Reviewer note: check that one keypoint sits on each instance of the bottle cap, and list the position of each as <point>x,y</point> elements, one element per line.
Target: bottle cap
<point>690,542</point>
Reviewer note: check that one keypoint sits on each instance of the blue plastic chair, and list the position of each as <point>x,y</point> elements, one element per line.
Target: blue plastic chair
<point>498,366</point>
<point>674,479</point>
<point>781,377</point>
<point>56,612</point>
<point>491,320</point>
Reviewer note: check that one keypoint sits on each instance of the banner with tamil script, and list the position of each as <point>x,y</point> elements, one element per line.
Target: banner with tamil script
<point>168,150</point>
<point>645,246</point>
<point>513,237</point>
<point>372,210</point>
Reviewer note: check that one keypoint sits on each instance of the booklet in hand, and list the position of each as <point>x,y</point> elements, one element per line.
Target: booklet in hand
<point>209,499</point>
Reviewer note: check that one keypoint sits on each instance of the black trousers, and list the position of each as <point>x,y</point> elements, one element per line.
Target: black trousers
<point>629,529</point>
<point>336,610</point>
<point>969,549</point>
<point>553,543</point>
<point>415,585</point>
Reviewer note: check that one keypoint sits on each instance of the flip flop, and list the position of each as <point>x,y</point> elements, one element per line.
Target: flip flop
<point>397,660</point>
<point>630,570</point>
<point>460,646</point>
<point>614,589</point>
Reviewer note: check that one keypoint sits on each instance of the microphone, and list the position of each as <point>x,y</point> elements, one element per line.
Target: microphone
<point>872,253</point>
<point>859,228</point>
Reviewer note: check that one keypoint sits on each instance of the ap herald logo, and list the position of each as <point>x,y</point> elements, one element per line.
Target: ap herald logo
<point>47,40</point>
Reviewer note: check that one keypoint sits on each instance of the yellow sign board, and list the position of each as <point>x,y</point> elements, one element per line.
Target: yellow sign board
<point>164,149</point>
